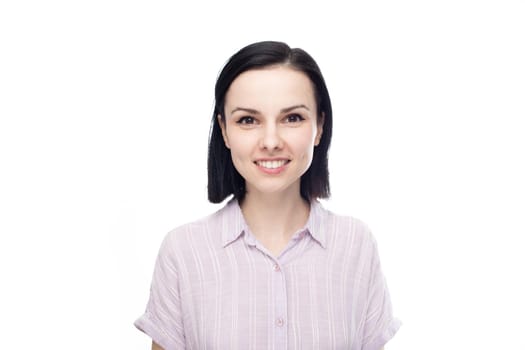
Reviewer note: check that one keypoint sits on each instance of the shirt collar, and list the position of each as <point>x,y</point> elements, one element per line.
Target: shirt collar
<point>232,222</point>
<point>233,225</point>
<point>316,223</point>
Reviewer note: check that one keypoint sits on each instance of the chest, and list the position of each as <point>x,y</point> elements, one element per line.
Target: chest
<point>252,301</point>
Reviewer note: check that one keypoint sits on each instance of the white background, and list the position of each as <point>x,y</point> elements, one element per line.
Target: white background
<point>105,110</point>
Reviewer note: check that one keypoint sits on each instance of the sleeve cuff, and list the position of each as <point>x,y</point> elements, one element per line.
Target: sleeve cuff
<point>384,337</point>
<point>148,326</point>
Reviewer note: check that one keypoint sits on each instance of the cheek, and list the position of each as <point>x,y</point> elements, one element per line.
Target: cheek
<point>308,154</point>
<point>239,147</point>
<point>304,145</point>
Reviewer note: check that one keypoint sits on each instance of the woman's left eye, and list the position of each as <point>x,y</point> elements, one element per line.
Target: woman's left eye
<point>294,118</point>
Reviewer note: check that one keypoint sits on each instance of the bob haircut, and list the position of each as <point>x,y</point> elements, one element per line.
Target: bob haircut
<point>223,178</point>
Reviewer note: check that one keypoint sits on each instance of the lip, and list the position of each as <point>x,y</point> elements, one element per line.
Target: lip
<point>273,171</point>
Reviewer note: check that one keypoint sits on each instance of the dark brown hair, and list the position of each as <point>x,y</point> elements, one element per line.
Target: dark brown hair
<point>223,179</point>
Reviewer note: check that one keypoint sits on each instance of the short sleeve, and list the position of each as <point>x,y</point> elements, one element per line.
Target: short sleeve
<point>162,320</point>
<point>380,324</point>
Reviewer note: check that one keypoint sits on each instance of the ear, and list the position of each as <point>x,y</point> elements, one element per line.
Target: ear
<point>222,125</point>
<point>320,124</point>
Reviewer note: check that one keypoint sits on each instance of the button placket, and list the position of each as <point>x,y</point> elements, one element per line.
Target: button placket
<point>280,306</point>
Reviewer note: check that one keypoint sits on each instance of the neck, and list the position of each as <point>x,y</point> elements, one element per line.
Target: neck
<point>275,217</point>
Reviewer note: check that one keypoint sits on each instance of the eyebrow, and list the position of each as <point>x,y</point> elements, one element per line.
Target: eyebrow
<point>254,111</point>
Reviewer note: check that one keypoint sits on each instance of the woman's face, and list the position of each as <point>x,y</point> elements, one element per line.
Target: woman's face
<point>271,128</point>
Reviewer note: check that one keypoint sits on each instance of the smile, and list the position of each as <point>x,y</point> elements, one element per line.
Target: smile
<point>272,164</point>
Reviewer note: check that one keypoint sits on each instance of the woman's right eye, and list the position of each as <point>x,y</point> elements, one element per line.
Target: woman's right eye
<point>246,120</point>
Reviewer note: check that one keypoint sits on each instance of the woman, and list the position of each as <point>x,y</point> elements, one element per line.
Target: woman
<point>272,269</point>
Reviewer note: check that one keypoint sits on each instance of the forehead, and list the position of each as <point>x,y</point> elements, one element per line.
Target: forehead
<point>275,86</point>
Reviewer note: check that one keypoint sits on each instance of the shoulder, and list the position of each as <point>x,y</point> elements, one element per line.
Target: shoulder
<point>205,231</point>
<point>351,244</point>
<point>345,230</point>
<point>195,228</point>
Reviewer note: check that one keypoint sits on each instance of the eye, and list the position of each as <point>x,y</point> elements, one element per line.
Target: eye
<point>246,120</point>
<point>293,118</point>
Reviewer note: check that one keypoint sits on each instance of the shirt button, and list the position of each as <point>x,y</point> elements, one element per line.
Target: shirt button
<point>279,322</point>
<point>276,268</point>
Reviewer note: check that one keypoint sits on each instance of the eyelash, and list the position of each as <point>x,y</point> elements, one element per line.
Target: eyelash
<point>243,120</point>
<point>298,117</point>
<point>249,120</point>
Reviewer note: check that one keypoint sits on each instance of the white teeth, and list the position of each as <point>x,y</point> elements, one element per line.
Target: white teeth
<point>271,164</point>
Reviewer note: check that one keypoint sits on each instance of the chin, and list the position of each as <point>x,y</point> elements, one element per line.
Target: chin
<point>274,189</point>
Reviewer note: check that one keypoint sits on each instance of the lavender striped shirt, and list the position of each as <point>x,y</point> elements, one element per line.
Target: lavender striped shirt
<point>216,287</point>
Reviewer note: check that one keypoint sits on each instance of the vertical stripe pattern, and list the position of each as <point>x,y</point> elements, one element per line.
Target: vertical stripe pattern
<point>215,286</point>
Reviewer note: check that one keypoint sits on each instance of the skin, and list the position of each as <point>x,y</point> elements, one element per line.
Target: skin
<point>270,113</point>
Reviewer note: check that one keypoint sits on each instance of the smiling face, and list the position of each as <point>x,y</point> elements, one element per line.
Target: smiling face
<point>271,128</point>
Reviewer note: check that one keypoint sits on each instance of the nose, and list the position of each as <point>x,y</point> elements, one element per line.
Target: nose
<point>270,138</point>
